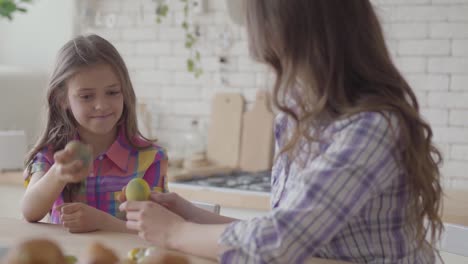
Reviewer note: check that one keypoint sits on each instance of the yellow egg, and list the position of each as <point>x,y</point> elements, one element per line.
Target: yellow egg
<point>137,190</point>
<point>135,254</point>
<point>80,151</point>
<point>70,259</point>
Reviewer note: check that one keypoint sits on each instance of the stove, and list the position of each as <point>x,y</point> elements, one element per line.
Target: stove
<point>248,181</point>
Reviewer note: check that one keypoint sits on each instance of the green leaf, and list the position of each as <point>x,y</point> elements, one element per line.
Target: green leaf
<point>190,37</point>
<point>185,25</point>
<point>8,7</point>
<point>198,72</point>
<point>165,10</point>
<point>197,56</point>
<point>162,10</point>
<point>190,65</point>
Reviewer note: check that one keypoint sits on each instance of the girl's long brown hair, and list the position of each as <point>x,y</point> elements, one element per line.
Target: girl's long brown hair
<point>61,126</point>
<point>333,54</point>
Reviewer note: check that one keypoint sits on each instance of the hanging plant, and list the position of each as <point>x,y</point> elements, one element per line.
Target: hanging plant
<point>8,7</point>
<point>191,34</point>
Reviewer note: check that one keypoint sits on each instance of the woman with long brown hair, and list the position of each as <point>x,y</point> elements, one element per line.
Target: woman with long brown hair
<point>356,177</point>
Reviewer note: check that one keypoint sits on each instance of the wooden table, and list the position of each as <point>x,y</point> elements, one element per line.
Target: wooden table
<point>13,231</point>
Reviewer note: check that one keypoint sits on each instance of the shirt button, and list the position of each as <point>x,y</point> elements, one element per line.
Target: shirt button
<point>100,157</point>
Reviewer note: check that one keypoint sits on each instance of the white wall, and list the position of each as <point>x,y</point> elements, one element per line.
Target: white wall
<point>33,39</point>
<point>428,38</point>
<point>28,47</point>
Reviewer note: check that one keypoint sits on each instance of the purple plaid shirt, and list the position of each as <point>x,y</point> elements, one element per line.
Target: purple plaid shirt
<point>349,201</point>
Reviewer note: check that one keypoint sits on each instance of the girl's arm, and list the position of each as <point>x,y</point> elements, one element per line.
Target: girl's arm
<point>41,193</point>
<point>80,218</point>
<point>45,187</point>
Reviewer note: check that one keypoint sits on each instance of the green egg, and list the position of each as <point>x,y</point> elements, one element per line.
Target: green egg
<point>81,151</point>
<point>71,259</point>
<point>137,190</point>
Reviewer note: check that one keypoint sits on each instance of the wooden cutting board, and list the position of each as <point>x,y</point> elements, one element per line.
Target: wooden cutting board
<point>224,131</point>
<point>257,136</point>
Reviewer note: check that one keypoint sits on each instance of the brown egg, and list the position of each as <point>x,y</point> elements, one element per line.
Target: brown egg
<point>166,258</point>
<point>99,254</point>
<point>35,251</point>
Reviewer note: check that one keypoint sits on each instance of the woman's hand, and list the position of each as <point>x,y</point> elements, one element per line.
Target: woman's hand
<point>68,168</point>
<point>173,202</point>
<point>152,221</point>
<point>176,204</point>
<point>80,218</point>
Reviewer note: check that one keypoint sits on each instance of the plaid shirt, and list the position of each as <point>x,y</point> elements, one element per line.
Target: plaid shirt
<point>111,171</point>
<point>348,202</point>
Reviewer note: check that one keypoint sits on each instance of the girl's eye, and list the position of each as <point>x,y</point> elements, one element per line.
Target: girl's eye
<point>85,96</point>
<point>114,92</point>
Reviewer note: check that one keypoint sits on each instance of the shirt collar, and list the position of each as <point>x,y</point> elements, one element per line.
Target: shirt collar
<point>119,151</point>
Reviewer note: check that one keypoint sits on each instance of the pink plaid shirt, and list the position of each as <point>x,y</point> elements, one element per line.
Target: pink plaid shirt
<point>111,171</point>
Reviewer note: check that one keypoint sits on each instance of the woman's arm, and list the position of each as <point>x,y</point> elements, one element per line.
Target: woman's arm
<point>323,197</point>
<point>188,210</point>
<point>111,223</point>
<point>197,239</point>
<point>164,228</point>
<point>156,176</point>
<point>320,200</point>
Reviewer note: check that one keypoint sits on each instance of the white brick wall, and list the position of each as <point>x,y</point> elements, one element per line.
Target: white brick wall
<point>428,39</point>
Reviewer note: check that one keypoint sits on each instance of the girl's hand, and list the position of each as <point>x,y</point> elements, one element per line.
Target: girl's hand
<point>80,218</point>
<point>153,222</point>
<point>68,168</point>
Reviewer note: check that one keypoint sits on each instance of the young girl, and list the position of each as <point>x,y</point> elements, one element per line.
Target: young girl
<point>91,99</point>
<point>356,176</point>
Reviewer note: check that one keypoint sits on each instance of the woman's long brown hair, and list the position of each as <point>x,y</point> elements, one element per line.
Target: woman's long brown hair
<point>332,53</point>
<point>61,126</point>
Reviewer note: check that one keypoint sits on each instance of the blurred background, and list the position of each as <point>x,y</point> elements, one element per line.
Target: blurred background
<point>428,40</point>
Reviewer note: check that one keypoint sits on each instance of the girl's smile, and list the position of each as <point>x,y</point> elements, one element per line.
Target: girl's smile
<point>95,99</point>
<point>101,117</point>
